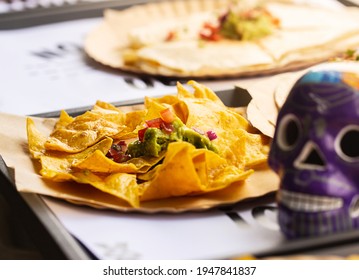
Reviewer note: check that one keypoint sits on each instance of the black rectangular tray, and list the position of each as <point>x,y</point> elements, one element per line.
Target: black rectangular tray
<point>54,241</point>
<point>40,233</point>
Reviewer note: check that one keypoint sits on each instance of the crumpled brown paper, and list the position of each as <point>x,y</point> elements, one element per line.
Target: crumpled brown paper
<point>268,95</point>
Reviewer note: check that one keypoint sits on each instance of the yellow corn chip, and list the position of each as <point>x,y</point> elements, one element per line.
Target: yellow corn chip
<point>121,185</point>
<point>98,162</point>
<point>36,141</point>
<point>188,171</point>
<point>84,131</point>
<point>57,165</point>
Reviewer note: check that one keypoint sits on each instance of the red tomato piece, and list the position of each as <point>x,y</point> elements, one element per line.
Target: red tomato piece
<point>154,123</point>
<point>141,134</point>
<point>167,115</point>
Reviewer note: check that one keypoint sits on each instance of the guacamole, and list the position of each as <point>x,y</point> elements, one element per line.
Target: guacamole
<point>240,23</point>
<point>156,140</point>
<point>243,27</point>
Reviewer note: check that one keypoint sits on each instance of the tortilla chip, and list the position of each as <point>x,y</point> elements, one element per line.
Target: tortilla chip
<point>176,176</point>
<point>99,163</point>
<point>84,131</point>
<point>121,185</point>
<point>153,108</point>
<point>64,120</point>
<point>216,173</point>
<point>56,166</point>
<point>106,108</point>
<point>188,171</point>
<point>36,141</point>
<point>133,121</point>
<point>257,149</point>
<point>207,112</point>
<point>204,111</point>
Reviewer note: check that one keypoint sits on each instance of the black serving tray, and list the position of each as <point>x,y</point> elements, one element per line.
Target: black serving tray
<point>40,233</point>
<point>54,242</point>
<point>45,234</point>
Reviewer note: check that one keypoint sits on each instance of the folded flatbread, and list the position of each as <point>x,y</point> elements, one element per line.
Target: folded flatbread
<point>136,39</point>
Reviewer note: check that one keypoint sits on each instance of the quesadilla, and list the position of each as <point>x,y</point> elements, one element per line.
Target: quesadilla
<point>212,38</point>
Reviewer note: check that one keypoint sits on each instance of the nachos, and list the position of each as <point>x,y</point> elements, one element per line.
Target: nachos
<point>178,145</point>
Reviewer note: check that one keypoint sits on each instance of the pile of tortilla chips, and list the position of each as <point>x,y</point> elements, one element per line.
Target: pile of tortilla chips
<point>77,147</point>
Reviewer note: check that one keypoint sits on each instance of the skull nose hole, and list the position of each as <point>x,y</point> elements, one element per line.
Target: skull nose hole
<point>314,158</point>
<point>310,158</point>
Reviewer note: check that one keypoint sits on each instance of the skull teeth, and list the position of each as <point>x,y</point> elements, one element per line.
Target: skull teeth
<point>308,203</point>
<point>354,207</point>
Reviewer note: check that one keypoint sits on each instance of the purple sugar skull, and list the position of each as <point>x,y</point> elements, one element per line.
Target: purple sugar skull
<point>315,151</point>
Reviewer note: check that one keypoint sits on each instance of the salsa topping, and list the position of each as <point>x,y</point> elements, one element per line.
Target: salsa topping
<point>118,153</point>
<point>210,32</point>
<point>239,23</point>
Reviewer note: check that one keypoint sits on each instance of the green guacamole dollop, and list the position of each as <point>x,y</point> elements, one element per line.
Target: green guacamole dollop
<point>155,140</point>
<point>238,27</point>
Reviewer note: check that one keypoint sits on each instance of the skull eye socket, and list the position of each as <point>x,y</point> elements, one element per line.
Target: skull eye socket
<point>347,143</point>
<point>289,132</point>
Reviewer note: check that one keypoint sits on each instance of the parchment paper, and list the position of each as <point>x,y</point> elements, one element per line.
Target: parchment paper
<point>14,151</point>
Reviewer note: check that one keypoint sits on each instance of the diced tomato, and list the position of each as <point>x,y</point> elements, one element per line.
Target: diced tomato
<point>167,115</point>
<point>164,123</point>
<point>117,152</point>
<point>210,26</point>
<point>210,32</point>
<point>117,157</point>
<point>154,123</point>
<point>171,36</point>
<point>141,134</point>
<point>123,145</point>
<point>112,152</point>
<point>210,36</point>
